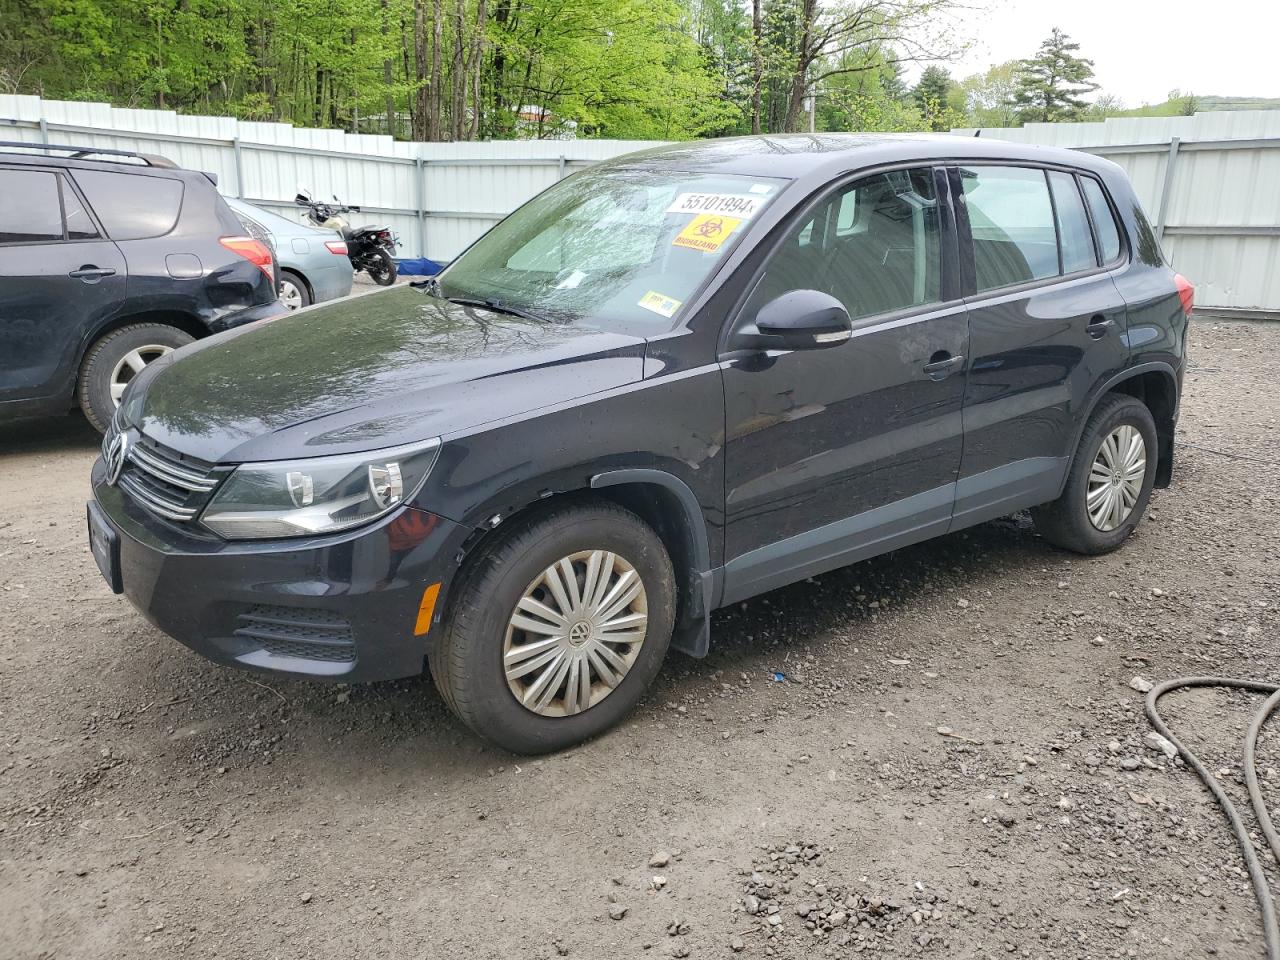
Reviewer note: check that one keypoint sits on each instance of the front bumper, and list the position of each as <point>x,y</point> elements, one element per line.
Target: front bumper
<point>345,606</point>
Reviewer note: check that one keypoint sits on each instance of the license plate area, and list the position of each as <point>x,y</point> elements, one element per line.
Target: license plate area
<point>104,544</point>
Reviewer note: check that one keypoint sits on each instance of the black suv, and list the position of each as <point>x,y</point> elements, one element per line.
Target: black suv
<point>108,260</point>
<point>671,382</point>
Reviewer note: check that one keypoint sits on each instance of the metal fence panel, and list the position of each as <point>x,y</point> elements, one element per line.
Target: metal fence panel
<point>1210,183</point>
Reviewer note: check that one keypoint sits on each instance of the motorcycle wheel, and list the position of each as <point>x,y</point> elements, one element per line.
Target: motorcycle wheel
<point>382,269</point>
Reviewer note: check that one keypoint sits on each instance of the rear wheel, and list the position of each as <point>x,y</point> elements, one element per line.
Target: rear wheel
<point>294,293</point>
<point>112,363</point>
<point>1110,481</point>
<point>557,628</point>
<point>381,268</point>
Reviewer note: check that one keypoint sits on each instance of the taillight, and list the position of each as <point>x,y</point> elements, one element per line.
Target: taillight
<point>336,246</point>
<point>1186,293</point>
<point>255,251</point>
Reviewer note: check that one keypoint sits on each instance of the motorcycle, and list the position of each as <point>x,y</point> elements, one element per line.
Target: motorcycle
<point>368,248</point>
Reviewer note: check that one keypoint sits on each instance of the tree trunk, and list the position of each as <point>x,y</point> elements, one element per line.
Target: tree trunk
<point>437,70</point>
<point>388,77</point>
<point>458,75</point>
<point>477,70</point>
<point>757,64</point>
<point>423,91</point>
<point>804,58</point>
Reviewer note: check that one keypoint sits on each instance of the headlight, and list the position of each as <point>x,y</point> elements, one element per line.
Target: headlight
<point>293,498</point>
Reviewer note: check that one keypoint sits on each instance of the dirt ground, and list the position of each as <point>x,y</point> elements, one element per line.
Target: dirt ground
<point>152,804</point>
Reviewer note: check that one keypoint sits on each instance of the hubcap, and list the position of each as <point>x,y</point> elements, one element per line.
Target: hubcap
<point>290,295</point>
<point>1115,479</point>
<point>575,633</point>
<point>131,365</point>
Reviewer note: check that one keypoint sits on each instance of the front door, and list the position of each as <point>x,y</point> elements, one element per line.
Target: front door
<point>840,453</point>
<point>1046,323</point>
<point>58,279</point>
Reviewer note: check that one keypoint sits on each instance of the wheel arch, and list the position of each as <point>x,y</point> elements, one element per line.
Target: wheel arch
<point>670,508</point>
<point>1156,384</point>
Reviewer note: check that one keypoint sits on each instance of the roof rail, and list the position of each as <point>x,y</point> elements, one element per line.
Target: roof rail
<point>84,153</point>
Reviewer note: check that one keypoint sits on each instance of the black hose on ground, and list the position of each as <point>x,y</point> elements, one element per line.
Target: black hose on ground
<point>1270,929</point>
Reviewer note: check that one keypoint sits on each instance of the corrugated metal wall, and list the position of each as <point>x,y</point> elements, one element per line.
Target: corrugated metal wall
<point>1211,183</point>
<point>438,197</point>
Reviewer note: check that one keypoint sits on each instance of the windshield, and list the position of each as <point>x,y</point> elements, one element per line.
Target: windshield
<point>622,248</point>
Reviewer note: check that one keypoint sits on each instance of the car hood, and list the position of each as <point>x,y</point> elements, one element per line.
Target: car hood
<point>378,370</point>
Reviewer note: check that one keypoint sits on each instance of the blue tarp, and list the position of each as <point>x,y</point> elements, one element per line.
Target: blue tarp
<point>418,267</point>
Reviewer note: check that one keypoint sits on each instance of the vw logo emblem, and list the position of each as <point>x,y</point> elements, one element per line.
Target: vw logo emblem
<point>580,633</point>
<point>117,453</point>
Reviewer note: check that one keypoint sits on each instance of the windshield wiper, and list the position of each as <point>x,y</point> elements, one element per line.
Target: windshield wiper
<point>497,306</point>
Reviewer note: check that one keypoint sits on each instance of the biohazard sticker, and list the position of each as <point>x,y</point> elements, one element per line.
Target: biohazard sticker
<point>660,304</point>
<point>706,232</point>
<point>740,205</point>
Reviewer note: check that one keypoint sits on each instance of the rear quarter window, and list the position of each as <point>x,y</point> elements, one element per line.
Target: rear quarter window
<point>1104,221</point>
<point>132,206</point>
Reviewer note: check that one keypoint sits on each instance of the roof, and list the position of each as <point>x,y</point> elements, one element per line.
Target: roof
<point>800,155</point>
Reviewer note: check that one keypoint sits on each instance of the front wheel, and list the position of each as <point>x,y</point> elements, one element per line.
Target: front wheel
<point>381,268</point>
<point>557,628</point>
<point>1110,481</point>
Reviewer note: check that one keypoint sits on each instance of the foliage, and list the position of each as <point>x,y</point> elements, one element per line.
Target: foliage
<point>1051,85</point>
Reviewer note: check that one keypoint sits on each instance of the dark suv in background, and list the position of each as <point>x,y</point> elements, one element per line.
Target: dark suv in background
<point>108,260</point>
<point>669,383</point>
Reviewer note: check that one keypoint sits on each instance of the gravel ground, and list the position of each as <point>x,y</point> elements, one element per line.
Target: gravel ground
<point>953,764</point>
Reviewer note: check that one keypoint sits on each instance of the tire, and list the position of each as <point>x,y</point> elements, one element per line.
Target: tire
<point>467,660</point>
<point>1067,522</point>
<point>381,268</point>
<point>111,363</point>
<point>294,292</point>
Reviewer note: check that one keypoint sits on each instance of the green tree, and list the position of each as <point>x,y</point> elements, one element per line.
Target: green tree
<point>932,95</point>
<point>988,96</point>
<point>1051,84</point>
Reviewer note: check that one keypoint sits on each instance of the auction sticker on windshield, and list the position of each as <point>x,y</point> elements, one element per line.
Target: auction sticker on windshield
<point>706,232</point>
<point>660,304</point>
<point>738,205</point>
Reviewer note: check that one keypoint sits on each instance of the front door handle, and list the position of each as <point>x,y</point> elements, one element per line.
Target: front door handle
<point>940,369</point>
<point>1100,327</point>
<point>91,274</point>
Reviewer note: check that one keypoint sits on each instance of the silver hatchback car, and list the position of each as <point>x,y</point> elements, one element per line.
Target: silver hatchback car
<point>313,262</point>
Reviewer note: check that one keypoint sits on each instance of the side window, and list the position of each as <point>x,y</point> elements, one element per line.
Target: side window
<point>1104,222</point>
<point>132,206</point>
<point>79,223</point>
<point>1073,225</point>
<point>873,245</point>
<point>29,207</point>
<point>1011,220</point>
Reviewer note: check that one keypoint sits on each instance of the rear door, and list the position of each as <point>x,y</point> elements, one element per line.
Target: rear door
<point>59,279</point>
<point>1046,323</point>
<point>836,454</point>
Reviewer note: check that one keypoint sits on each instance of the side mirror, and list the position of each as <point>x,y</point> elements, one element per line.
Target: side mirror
<point>799,320</point>
<point>302,200</point>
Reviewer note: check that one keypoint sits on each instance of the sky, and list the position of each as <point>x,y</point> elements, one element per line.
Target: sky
<point>1141,49</point>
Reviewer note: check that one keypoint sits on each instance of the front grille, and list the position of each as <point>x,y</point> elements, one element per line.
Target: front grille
<point>299,632</point>
<point>167,484</point>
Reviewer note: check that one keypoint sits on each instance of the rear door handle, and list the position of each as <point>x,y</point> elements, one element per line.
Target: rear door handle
<point>89,273</point>
<point>1100,327</point>
<point>941,369</point>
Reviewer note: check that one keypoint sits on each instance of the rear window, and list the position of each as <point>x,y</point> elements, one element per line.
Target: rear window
<point>29,207</point>
<point>1104,221</point>
<point>132,206</point>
